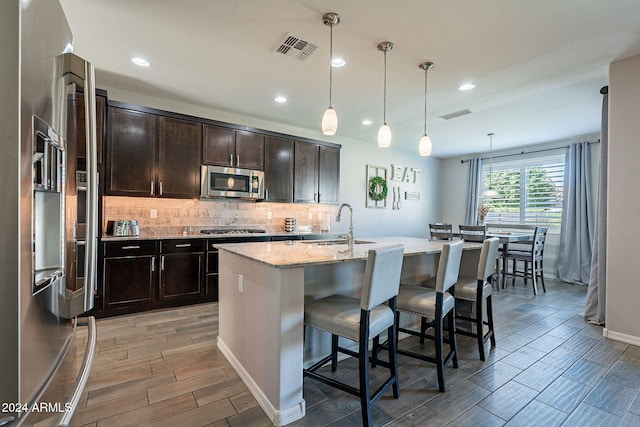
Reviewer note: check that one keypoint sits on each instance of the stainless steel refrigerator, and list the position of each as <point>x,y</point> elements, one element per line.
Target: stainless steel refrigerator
<point>48,216</point>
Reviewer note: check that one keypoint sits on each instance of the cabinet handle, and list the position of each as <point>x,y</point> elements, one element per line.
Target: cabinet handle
<point>266,193</point>
<point>315,197</point>
<point>131,247</point>
<point>237,160</point>
<point>231,159</point>
<point>153,188</point>
<point>153,264</point>
<point>161,188</point>
<point>183,245</point>
<point>162,263</point>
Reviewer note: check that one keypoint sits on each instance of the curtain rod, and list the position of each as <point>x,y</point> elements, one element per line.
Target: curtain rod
<point>528,152</point>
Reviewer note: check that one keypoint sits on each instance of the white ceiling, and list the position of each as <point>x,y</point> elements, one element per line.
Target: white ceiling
<point>538,65</point>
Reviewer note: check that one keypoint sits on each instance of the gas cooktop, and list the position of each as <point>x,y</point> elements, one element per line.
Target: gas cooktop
<point>231,230</point>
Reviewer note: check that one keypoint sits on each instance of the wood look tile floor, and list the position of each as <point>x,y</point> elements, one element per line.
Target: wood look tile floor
<point>549,367</point>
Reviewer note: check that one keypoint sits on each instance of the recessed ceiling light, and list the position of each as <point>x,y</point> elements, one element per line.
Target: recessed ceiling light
<point>367,122</point>
<point>338,62</point>
<point>466,86</point>
<point>280,99</point>
<point>140,62</point>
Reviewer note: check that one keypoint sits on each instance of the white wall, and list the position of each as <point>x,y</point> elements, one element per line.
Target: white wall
<point>454,190</point>
<point>411,220</point>
<point>623,233</point>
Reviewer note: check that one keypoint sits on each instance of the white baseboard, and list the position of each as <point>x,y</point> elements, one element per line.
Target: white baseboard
<point>278,417</point>
<point>617,336</point>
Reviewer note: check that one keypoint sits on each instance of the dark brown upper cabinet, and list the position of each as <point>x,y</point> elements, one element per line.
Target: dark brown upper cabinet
<point>232,148</point>
<point>329,174</point>
<point>278,170</point>
<point>316,173</point>
<point>178,158</point>
<point>151,155</point>
<point>131,153</point>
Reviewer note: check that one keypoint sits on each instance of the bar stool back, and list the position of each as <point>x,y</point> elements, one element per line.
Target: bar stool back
<point>362,320</point>
<point>478,289</point>
<point>433,305</point>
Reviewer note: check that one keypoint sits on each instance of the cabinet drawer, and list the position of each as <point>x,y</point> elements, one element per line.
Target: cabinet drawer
<point>129,248</point>
<point>237,239</point>
<point>181,246</point>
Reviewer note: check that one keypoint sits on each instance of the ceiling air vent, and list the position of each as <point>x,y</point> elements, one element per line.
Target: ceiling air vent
<point>295,47</point>
<point>455,114</point>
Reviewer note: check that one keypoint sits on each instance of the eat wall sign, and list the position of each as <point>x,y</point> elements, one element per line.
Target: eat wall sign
<point>404,174</point>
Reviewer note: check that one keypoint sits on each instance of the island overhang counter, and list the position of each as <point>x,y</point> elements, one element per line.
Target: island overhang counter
<point>262,289</point>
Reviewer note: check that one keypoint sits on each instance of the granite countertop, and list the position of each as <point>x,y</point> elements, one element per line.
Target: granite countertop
<point>300,253</point>
<point>197,235</point>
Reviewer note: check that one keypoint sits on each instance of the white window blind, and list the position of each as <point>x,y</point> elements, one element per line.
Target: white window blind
<point>531,190</point>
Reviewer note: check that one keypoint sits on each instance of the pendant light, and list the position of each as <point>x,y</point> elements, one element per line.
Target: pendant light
<point>384,133</point>
<point>490,193</point>
<point>330,118</point>
<point>424,146</point>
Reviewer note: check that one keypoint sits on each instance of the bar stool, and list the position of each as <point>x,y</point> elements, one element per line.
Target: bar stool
<point>477,289</point>
<point>532,258</point>
<point>435,305</point>
<point>361,320</point>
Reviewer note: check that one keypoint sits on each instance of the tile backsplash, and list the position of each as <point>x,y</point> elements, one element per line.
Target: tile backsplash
<point>173,216</point>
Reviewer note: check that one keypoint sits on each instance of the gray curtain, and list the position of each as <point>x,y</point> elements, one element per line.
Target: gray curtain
<point>473,181</point>
<point>594,309</point>
<point>576,235</point>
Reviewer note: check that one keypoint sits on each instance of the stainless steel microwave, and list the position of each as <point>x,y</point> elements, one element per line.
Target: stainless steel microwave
<point>217,181</point>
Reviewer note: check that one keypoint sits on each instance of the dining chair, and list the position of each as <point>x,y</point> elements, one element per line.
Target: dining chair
<point>361,320</point>
<point>478,290</point>
<point>433,306</point>
<point>440,231</point>
<point>472,233</point>
<point>532,260</point>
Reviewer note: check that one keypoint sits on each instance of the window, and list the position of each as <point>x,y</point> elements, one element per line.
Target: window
<point>531,190</point>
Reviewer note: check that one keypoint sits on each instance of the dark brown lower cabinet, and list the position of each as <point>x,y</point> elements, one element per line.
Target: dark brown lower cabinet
<point>181,271</point>
<point>130,276</point>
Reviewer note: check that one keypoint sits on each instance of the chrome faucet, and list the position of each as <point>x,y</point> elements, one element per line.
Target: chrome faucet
<point>349,236</point>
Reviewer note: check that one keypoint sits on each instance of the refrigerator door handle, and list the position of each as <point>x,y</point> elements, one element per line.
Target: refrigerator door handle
<point>83,377</point>
<point>92,188</point>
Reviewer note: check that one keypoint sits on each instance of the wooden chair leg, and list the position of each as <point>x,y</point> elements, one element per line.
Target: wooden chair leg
<point>453,345</point>
<point>479,329</point>
<point>393,360</point>
<point>490,321</point>
<point>423,329</point>
<point>544,289</point>
<point>439,342</point>
<point>534,279</point>
<point>334,353</point>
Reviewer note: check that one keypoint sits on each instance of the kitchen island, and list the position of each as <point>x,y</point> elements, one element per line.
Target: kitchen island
<point>262,290</point>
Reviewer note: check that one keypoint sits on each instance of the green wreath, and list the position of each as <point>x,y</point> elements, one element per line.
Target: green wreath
<point>377,188</point>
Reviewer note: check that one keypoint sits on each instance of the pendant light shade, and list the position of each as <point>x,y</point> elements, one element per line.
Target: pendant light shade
<point>425,146</point>
<point>330,117</point>
<point>490,193</point>
<point>329,122</point>
<point>384,134</point>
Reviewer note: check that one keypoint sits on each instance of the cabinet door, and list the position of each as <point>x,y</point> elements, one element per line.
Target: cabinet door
<point>178,158</point>
<point>278,170</point>
<point>305,186</point>
<point>181,277</point>
<point>130,282</point>
<point>131,153</point>
<point>217,146</point>
<point>249,150</point>
<point>329,175</point>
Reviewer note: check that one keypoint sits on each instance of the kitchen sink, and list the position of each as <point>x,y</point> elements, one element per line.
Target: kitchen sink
<point>335,242</point>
